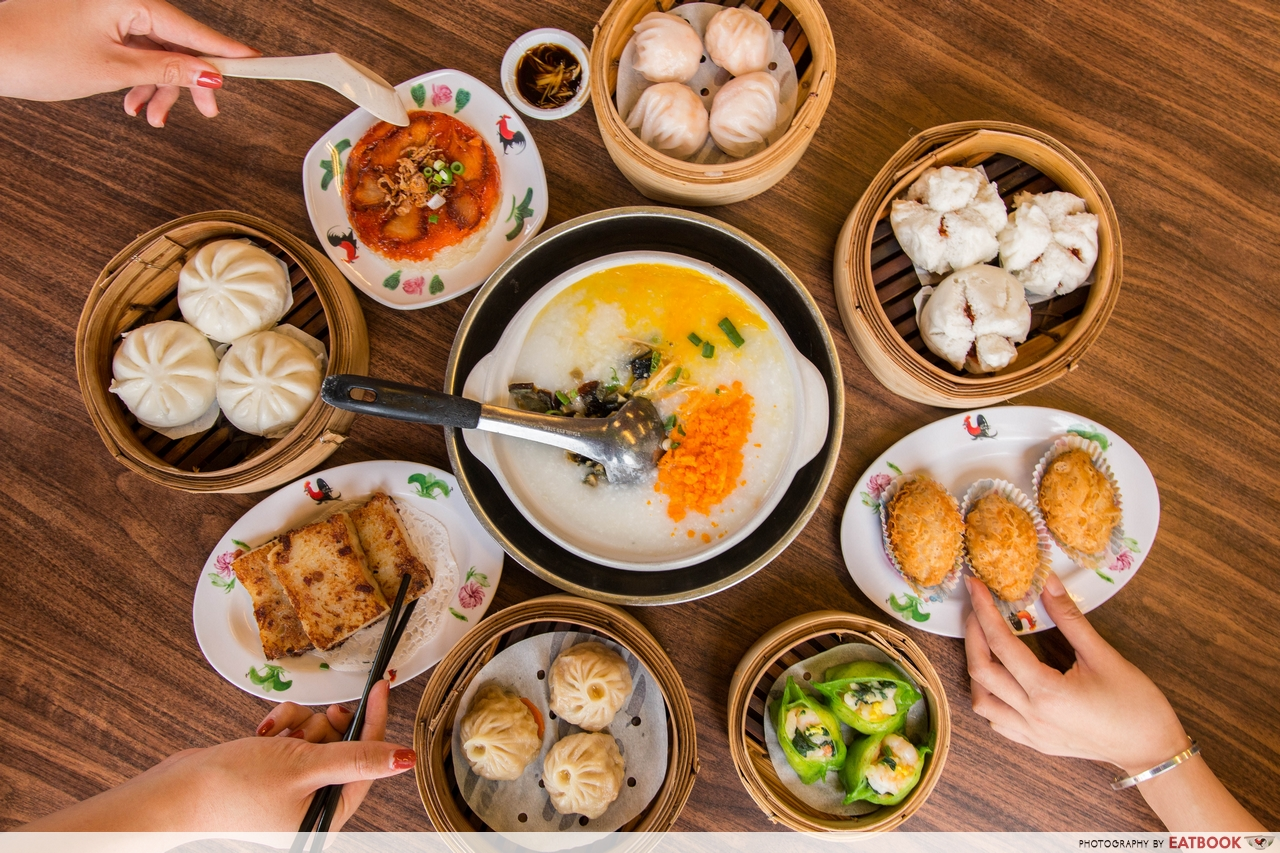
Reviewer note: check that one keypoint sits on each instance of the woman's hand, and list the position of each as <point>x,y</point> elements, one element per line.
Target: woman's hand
<point>262,784</point>
<point>1102,708</point>
<point>54,50</point>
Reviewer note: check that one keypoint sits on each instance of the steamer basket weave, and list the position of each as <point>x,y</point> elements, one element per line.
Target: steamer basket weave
<point>875,282</point>
<point>139,286</point>
<point>787,645</point>
<point>433,729</point>
<point>657,176</point>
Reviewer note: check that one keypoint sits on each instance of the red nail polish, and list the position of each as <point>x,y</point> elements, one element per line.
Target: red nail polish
<point>403,759</point>
<point>209,80</point>
<point>265,727</point>
<point>298,734</point>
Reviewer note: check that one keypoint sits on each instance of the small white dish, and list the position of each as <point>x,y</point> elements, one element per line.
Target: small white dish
<point>1002,442</point>
<point>532,39</point>
<point>223,612</point>
<point>520,211</point>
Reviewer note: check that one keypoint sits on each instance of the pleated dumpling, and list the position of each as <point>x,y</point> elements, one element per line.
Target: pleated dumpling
<point>667,48</point>
<point>739,40</point>
<point>267,381</point>
<point>744,113</point>
<point>499,734</point>
<point>165,373</point>
<point>670,118</point>
<point>589,684</point>
<point>583,773</point>
<point>232,288</point>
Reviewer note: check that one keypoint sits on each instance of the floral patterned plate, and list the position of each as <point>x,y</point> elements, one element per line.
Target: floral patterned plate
<point>522,203</point>
<point>223,612</point>
<point>1004,442</point>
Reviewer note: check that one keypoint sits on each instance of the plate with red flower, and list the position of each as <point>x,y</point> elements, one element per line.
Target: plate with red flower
<point>1003,442</point>
<point>465,560</point>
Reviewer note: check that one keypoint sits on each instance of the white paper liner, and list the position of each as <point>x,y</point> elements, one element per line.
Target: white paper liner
<point>828,795</point>
<point>940,591</point>
<point>644,747</point>
<point>1019,498</point>
<point>631,83</point>
<point>1116,544</point>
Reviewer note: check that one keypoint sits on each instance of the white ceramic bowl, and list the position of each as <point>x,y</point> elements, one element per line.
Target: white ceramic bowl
<point>488,382</point>
<point>532,39</point>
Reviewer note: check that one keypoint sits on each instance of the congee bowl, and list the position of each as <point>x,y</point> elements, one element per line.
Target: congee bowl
<point>487,349</point>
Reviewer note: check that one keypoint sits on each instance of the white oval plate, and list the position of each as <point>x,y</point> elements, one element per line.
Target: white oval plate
<point>1004,442</point>
<point>223,612</point>
<point>521,210</point>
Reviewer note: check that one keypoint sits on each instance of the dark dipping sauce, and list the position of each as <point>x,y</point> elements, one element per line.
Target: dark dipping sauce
<point>548,76</point>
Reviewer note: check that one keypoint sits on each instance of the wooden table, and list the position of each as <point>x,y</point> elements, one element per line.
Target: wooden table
<point>1173,105</point>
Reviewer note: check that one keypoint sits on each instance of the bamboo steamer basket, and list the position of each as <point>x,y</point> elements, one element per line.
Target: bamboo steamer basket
<point>662,178</point>
<point>783,647</point>
<point>433,728</point>
<point>139,286</point>
<point>874,280</point>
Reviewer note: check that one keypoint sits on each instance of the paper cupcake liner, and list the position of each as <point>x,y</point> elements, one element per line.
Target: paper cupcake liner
<point>938,592</point>
<point>1019,498</point>
<point>1116,545</point>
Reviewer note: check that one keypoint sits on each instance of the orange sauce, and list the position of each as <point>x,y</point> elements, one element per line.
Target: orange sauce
<point>412,236</point>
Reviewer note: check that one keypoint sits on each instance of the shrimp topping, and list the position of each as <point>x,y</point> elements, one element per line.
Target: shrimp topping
<point>894,766</point>
<point>872,700</point>
<point>808,735</point>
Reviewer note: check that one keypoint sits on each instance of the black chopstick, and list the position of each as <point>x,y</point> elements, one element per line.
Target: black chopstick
<point>324,803</point>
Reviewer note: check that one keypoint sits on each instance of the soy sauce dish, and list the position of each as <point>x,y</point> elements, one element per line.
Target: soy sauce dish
<point>652,302</point>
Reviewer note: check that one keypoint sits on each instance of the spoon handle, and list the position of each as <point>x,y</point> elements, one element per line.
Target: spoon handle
<point>398,401</point>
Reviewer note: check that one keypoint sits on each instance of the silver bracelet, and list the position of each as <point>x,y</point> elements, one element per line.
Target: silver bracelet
<point>1119,784</point>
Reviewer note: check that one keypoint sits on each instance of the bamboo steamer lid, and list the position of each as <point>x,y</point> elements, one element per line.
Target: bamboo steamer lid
<point>433,728</point>
<point>788,644</point>
<point>663,178</point>
<point>868,276</point>
<point>139,286</point>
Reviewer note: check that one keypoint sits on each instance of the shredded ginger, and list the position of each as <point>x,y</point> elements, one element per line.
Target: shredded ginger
<point>703,466</point>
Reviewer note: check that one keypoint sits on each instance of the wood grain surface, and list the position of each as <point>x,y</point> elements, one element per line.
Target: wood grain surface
<point>1174,105</point>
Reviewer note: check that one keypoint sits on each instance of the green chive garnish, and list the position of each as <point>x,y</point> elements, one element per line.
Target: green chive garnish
<point>433,219</point>
<point>456,167</point>
<point>694,339</point>
<point>674,377</point>
<point>669,423</point>
<point>655,361</point>
<point>708,349</point>
<point>563,398</point>
<point>731,333</point>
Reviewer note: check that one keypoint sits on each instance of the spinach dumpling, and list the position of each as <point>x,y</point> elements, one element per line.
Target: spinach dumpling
<point>868,696</point>
<point>808,733</point>
<point>882,769</point>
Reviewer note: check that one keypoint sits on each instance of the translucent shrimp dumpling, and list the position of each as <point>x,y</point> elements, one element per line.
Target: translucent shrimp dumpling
<point>670,118</point>
<point>739,40</point>
<point>500,734</point>
<point>667,48</point>
<point>267,381</point>
<point>232,288</point>
<point>744,113</point>
<point>165,373</point>
<point>589,684</point>
<point>583,773</point>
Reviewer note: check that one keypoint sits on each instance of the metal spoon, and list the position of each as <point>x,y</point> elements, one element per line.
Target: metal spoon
<point>340,73</point>
<point>628,443</point>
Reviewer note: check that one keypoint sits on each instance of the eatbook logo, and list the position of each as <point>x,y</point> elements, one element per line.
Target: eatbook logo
<point>1261,842</point>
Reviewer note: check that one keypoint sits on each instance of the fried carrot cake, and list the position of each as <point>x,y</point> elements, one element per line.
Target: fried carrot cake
<point>386,548</point>
<point>278,624</point>
<point>1078,503</point>
<point>323,571</point>
<point>924,530</point>
<point>1004,550</point>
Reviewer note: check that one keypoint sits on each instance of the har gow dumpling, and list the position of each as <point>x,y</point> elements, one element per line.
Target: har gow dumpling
<point>232,288</point>
<point>583,773</point>
<point>670,118</point>
<point>166,374</point>
<point>667,48</point>
<point>499,734</point>
<point>267,381</point>
<point>739,40</point>
<point>744,112</point>
<point>589,684</point>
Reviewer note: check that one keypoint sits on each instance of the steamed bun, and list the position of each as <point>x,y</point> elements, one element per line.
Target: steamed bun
<point>739,40</point>
<point>1050,243</point>
<point>949,219</point>
<point>165,373</point>
<point>974,318</point>
<point>667,48</point>
<point>232,288</point>
<point>267,381</point>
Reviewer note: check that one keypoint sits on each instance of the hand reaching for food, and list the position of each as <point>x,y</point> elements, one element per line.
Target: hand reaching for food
<point>1103,708</point>
<point>262,783</point>
<point>56,50</point>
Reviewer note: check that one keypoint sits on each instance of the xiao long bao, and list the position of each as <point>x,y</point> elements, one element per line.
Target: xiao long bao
<point>589,683</point>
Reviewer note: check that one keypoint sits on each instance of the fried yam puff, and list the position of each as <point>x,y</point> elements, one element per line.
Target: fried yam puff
<point>1078,502</point>
<point>1003,547</point>
<point>925,529</point>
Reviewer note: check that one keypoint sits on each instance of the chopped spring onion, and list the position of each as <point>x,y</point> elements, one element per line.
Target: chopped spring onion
<point>433,219</point>
<point>670,423</point>
<point>456,167</point>
<point>655,361</point>
<point>708,349</point>
<point>436,202</point>
<point>731,332</point>
<point>674,377</point>
<point>563,398</point>
<point>694,339</point>
<point>438,165</point>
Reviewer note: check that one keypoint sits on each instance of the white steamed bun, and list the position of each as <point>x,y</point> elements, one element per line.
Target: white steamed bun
<point>165,373</point>
<point>669,117</point>
<point>744,113</point>
<point>667,48</point>
<point>974,318</point>
<point>1050,243</point>
<point>739,40</point>
<point>232,288</point>
<point>267,381</point>
<point>949,219</point>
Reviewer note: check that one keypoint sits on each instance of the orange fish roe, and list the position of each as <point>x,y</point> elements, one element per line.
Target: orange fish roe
<point>703,470</point>
<point>706,537</point>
